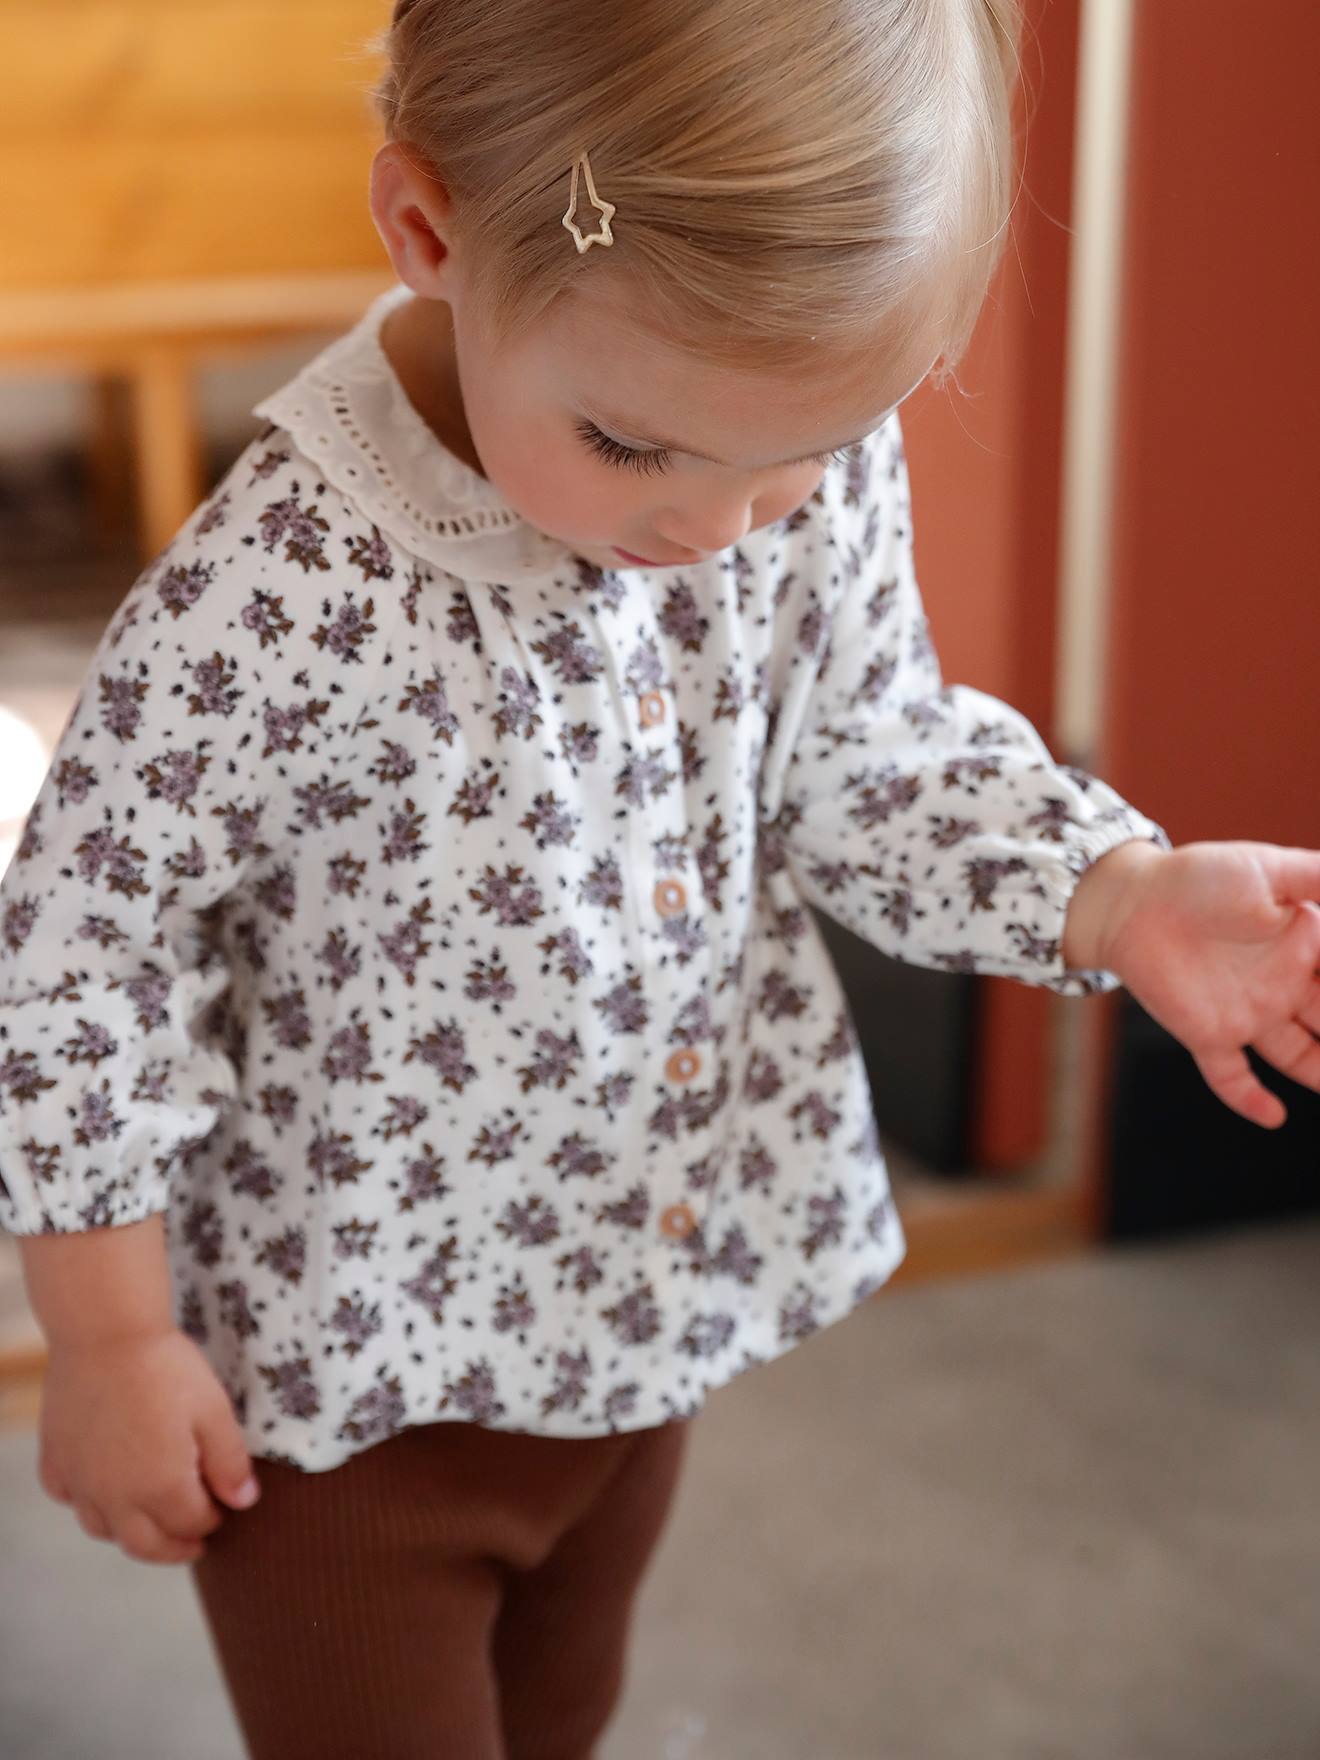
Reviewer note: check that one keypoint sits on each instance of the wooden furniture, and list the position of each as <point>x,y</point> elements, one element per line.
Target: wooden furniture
<point>180,183</point>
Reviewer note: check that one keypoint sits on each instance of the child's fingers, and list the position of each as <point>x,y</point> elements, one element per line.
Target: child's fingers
<point>52,1482</point>
<point>91,1519</point>
<point>142,1538</point>
<point>225,1463</point>
<point>1232,1078</point>
<point>183,1511</point>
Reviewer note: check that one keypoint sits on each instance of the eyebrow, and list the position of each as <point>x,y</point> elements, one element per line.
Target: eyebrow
<point>627,429</point>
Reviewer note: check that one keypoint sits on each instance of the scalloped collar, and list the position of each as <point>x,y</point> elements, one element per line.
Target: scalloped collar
<point>348,411</point>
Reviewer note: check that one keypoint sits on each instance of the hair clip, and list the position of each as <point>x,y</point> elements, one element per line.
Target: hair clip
<point>604,236</point>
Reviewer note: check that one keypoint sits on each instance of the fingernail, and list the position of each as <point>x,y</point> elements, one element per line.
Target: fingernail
<point>247,1493</point>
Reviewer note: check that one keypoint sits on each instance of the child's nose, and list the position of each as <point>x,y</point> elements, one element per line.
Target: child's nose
<point>708,527</point>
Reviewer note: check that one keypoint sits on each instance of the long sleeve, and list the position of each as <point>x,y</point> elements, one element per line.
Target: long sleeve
<point>928,818</point>
<point>168,790</point>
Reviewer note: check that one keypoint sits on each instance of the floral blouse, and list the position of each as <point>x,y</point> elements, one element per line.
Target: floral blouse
<point>417,915</point>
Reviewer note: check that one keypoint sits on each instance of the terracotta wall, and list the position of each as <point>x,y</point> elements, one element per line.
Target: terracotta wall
<point>1213,706</point>
<point>985,470</point>
<point>1214,701</point>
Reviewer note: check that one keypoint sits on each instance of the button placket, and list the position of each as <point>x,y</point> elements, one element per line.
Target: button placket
<point>669,896</point>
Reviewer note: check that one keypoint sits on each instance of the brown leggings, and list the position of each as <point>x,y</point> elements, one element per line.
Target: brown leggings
<point>452,1593</point>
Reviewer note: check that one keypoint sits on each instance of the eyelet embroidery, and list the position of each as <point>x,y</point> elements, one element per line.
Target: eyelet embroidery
<point>350,392</point>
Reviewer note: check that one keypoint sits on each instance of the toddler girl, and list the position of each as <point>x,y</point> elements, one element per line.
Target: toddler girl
<point>421,1072</point>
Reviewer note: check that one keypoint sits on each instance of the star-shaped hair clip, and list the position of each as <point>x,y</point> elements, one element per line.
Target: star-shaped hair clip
<point>606,209</point>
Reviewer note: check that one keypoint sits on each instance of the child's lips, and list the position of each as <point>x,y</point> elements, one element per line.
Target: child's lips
<point>653,562</point>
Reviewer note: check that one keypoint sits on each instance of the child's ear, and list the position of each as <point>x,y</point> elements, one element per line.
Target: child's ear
<point>411,208</point>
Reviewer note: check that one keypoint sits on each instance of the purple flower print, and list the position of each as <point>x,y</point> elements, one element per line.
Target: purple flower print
<point>624,1007</point>
<point>423,1179</point>
<point>150,997</point>
<point>265,617</point>
<point>329,803</point>
<point>20,1075</point>
<point>371,555</point>
<point>403,1113</point>
<point>181,587</point>
<point>331,1158</point>
<point>355,1322</point>
<point>443,1050</point>
<point>97,1119</point>
<point>236,1308</point>
<point>572,1373</point>
<point>577,1156</point>
<point>473,799</point>
<point>474,1395</point>
<point>299,529</point>
<point>816,1114</point>
<point>293,1387</point>
<point>707,1334</point>
<point>288,1019</point>
<point>533,1224</point>
<point>488,981</point>
<point>91,1044</point>
<point>554,1063</point>
<point>736,1259</point>
<point>345,636</point>
<point>203,1230</point>
<point>213,694</point>
<point>580,1270</point>
<point>404,840</point>
<point>574,961</point>
<point>74,782</point>
<point>176,777</point>
<point>635,1318</point>
<point>827,1216</point>
<point>514,1310</point>
<point>432,1286</point>
<point>632,1210</point>
<point>394,766</point>
<point>285,1253</point>
<point>18,921</point>
<point>122,699</point>
<point>342,963</point>
<point>572,657</point>
<point>348,1055</point>
<point>680,619</point>
<point>516,716</point>
<point>250,1173</point>
<point>603,885</point>
<point>797,1316</point>
<point>429,702</point>
<point>378,1413</point>
<point>514,901</point>
<point>549,821</point>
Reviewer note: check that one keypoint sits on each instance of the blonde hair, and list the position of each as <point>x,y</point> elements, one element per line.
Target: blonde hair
<point>789,175</point>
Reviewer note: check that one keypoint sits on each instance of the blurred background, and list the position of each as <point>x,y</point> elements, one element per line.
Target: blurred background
<point>1052,1491</point>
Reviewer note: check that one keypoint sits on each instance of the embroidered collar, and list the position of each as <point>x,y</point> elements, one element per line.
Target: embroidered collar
<point>347,410</point>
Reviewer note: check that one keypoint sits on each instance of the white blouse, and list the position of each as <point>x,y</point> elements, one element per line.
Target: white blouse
<point>417,915</point>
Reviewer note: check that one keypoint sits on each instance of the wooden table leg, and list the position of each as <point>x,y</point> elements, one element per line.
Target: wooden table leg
<point>109,457</point>
<point>169,453</point>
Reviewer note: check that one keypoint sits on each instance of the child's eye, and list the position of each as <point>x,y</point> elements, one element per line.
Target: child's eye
<point>616,453</point>
<point>655,461</point>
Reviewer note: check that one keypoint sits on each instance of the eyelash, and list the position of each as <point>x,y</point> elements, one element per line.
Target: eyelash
<point>656,461</point>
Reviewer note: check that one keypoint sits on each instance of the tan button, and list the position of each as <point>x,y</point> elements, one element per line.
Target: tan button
<point>652,707</point>
<point>683,1065</point>
<point>670,897</point>
<point>678,1221</point>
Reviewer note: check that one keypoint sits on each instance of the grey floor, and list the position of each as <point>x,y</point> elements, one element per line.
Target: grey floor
<point>1067,1513</point>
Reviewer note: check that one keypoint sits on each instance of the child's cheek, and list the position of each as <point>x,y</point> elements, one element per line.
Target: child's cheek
<point>567,497</point>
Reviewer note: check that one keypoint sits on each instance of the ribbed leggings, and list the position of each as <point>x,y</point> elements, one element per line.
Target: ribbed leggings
<point>451,1593</point>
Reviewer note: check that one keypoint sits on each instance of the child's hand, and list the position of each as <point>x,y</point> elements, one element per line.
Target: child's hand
<point>133,1431</point>
<point>1220,943</point>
